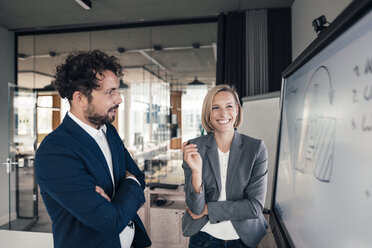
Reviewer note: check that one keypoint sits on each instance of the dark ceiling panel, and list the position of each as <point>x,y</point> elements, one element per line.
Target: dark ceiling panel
<point>23,14</point>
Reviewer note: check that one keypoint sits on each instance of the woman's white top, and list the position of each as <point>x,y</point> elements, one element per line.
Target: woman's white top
<point>223,230</point>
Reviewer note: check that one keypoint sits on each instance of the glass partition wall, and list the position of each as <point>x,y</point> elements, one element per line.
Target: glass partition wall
<point>159,109</point>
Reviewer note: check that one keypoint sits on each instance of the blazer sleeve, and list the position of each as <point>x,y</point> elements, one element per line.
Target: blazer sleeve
<point>195,202</point>
<point>133,168</point>
<point>62,175</point>
<point>252,205</point>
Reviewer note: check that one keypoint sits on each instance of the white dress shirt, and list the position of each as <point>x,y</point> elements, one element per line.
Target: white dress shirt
<point>223,230</point>
<point>99,135</point>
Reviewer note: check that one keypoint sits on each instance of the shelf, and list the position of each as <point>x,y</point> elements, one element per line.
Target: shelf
<point>179,205</point>
<point>175,195</point>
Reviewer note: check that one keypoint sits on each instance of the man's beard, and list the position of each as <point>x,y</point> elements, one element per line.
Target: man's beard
<point>97,119</point>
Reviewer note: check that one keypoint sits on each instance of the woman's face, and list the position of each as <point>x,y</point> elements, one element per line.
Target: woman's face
<point>224,112</point>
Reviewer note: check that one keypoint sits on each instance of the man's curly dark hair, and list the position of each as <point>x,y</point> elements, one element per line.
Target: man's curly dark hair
<point>79,72</point>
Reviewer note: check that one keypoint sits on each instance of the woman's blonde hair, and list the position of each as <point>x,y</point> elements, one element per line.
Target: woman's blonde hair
<point>207,106</point>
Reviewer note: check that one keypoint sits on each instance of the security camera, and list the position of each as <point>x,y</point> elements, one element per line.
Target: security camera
<point>319,24</point>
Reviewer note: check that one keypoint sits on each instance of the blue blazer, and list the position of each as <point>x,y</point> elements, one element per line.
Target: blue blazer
<point>69,164</point>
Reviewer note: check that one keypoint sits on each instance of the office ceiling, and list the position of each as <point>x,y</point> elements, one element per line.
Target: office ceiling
<point>22,14</point>
<point>178,60</point>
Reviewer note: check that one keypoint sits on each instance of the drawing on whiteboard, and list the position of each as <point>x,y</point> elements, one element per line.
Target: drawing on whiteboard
<point>315,146</point>
<point>315,131</point>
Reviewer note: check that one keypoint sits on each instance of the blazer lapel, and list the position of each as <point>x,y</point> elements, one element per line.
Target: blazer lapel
<point>87,141</point>
<point>114,154</point>
<point>234,157</point>
<point>212,153</point>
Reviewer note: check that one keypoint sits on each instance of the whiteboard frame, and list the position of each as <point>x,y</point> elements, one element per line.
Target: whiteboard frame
<point>354,12</point>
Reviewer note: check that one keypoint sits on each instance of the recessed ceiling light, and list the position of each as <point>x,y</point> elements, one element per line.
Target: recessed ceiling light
<point>86,4</point>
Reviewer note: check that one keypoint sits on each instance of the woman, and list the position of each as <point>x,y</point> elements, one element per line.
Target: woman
<point>225,178</point>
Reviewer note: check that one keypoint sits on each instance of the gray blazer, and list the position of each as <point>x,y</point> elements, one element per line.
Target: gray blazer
<point>245,188</point>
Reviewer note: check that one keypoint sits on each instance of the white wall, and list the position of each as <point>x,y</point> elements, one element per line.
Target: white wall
<point>260,120</point>
<point>303,14</point>
<point>6,75</point>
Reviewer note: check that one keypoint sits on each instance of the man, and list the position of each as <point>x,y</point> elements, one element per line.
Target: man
<point>90,185</point>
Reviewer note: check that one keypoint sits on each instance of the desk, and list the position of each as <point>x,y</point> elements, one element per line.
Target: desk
<point>139,156</point>
<point>17,239</point>
<point>164,222</point>
<point>148,152</point>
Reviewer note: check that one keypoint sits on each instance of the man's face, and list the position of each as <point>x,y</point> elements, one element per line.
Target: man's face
<point>105,100</point>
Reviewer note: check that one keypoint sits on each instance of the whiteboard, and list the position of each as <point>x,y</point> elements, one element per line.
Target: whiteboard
<point>324,174</point>
<point>260,121</point>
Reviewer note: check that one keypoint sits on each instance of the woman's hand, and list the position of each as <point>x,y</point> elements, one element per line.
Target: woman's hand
<point>194,161</point>
<point>192,157</point>
<point>195,216</point>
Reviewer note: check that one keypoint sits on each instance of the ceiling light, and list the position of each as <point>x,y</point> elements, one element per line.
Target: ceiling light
<point>22,56</point>
<point>196,82</point>
<point>47,88</point>
<point>121,49</point>
<point>158,47</point>
<point>86,4</point>
<point>123,85</point>
<point>52,53</point>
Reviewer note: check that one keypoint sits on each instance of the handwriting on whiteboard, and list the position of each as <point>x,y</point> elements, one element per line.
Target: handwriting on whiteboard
<point>362,94</point>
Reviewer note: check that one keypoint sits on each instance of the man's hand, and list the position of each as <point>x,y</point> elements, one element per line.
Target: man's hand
<point>195,216</point>
<point>100,191</point>
<point>128,174</point>
<point>131,176</point>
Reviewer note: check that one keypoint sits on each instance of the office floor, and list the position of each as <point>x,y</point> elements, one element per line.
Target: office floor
<point>268,241</point>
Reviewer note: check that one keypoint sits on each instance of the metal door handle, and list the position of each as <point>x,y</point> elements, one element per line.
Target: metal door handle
<point>9,164</point>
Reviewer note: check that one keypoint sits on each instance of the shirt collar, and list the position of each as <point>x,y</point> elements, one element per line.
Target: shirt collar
<point>223,153</point>
<point>90,130</point>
